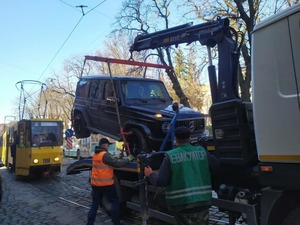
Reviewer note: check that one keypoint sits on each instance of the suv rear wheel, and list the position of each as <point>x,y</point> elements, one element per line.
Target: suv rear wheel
<point>78,155</point>
<point>137,142</point>
<point>80,127</point>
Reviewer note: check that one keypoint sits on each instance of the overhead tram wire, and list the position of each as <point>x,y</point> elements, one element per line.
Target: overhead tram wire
<point>60,48</point>
<point>83,14</point>
<point>68,4</point>
<point>96,6</point>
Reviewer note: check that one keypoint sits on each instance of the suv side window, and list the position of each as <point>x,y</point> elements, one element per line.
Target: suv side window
<point>94,90</point>
<point>82,84</point>
<point>107,91</point>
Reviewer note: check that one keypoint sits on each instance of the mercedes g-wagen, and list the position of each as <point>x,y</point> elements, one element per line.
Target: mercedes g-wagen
<point>141,106</point>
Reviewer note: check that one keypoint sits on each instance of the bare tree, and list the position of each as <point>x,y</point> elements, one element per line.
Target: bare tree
<point>117,47</point>
<point>61,89</point>
<point>146,16</point>
<point>243,17</point>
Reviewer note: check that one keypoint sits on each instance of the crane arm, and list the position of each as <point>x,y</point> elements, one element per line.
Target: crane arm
<point>209,34</point>
<point>224,86</point>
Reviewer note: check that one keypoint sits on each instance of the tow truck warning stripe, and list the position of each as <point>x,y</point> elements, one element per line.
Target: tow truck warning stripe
<point>290,158</point>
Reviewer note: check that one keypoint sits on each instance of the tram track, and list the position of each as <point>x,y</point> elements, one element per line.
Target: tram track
<point>64,191</point>
<point>216,217</point>
<point>77,197</point>
<point>75,190</point>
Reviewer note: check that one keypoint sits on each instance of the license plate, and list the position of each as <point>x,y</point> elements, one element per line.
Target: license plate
<point>46,160</point>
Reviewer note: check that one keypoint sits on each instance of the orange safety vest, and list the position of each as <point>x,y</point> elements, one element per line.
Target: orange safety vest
<point>102,174</point>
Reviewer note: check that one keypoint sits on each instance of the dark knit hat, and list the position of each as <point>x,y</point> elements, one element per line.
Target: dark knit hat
<point>182,133</point>
<point>104,141</point>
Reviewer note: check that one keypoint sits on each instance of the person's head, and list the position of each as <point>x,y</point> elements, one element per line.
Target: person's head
<point>104,143</point>
<point>182,135</point>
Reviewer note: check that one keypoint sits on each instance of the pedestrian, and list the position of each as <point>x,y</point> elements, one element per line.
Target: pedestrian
<point>102,181</point>
<point>185,174</point>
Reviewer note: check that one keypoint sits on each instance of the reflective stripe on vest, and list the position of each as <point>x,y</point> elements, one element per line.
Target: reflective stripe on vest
<point>102,174</point>
<point>188,192</point>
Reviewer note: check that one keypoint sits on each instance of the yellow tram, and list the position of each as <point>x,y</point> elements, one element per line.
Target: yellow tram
<point>33,147</point>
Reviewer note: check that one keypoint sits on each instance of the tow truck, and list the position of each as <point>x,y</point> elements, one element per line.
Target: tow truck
<point>257,143</point>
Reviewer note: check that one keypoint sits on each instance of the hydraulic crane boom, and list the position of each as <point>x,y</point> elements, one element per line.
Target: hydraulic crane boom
<point>224,87</point>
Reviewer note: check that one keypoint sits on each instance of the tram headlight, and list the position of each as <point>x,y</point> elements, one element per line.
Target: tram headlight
<point>35,161</point>
<point>56,159</point>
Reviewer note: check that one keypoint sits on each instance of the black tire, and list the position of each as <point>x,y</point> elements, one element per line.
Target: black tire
<point>78,155</point>
<point>137,142</point>
<point>11,168</point>
<point>80,127</point>
<point>293,218</point>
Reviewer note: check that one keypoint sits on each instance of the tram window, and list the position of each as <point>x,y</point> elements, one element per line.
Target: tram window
<point>46,133</point>
<point>52,137</point>
<point>35,140</point>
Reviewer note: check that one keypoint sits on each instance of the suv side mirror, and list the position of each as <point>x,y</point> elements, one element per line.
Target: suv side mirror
<point>175,107</point>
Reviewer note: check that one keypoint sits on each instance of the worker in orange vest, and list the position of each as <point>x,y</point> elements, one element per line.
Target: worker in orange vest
<point>102,181</point>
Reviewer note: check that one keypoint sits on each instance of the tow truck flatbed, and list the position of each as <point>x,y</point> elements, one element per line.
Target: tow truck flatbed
<point>86,164</point>
<point>153,159</point>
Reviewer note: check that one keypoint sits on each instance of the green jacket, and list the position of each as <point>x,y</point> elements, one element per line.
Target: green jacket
<point>190,180</point>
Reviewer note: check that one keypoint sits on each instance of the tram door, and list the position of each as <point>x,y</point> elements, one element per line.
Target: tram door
<point>22,149</point>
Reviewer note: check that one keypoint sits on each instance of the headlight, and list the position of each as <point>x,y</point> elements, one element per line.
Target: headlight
<point>158,116</point>
<point>35,161</point>
<point>56,159</point>
<point>165,127</point>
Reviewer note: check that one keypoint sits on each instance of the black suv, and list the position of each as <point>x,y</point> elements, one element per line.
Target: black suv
<point>144,107</point>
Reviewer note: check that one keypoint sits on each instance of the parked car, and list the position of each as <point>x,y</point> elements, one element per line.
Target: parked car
<point>141,106</point>
<point>73,150</point>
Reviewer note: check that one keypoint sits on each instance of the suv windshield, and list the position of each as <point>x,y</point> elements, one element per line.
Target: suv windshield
<point>145,92</point>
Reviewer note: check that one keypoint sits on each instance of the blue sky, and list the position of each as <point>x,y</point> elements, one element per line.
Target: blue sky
<point>32,32</point>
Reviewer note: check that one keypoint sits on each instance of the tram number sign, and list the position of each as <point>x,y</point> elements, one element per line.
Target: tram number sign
<point>46,160</point>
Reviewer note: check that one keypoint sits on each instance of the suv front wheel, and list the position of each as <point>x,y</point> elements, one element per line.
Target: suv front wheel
<point>137,142</point>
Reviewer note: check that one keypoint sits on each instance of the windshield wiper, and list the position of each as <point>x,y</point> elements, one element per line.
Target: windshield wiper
<point>140,99</point>
<point>159,98</point>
